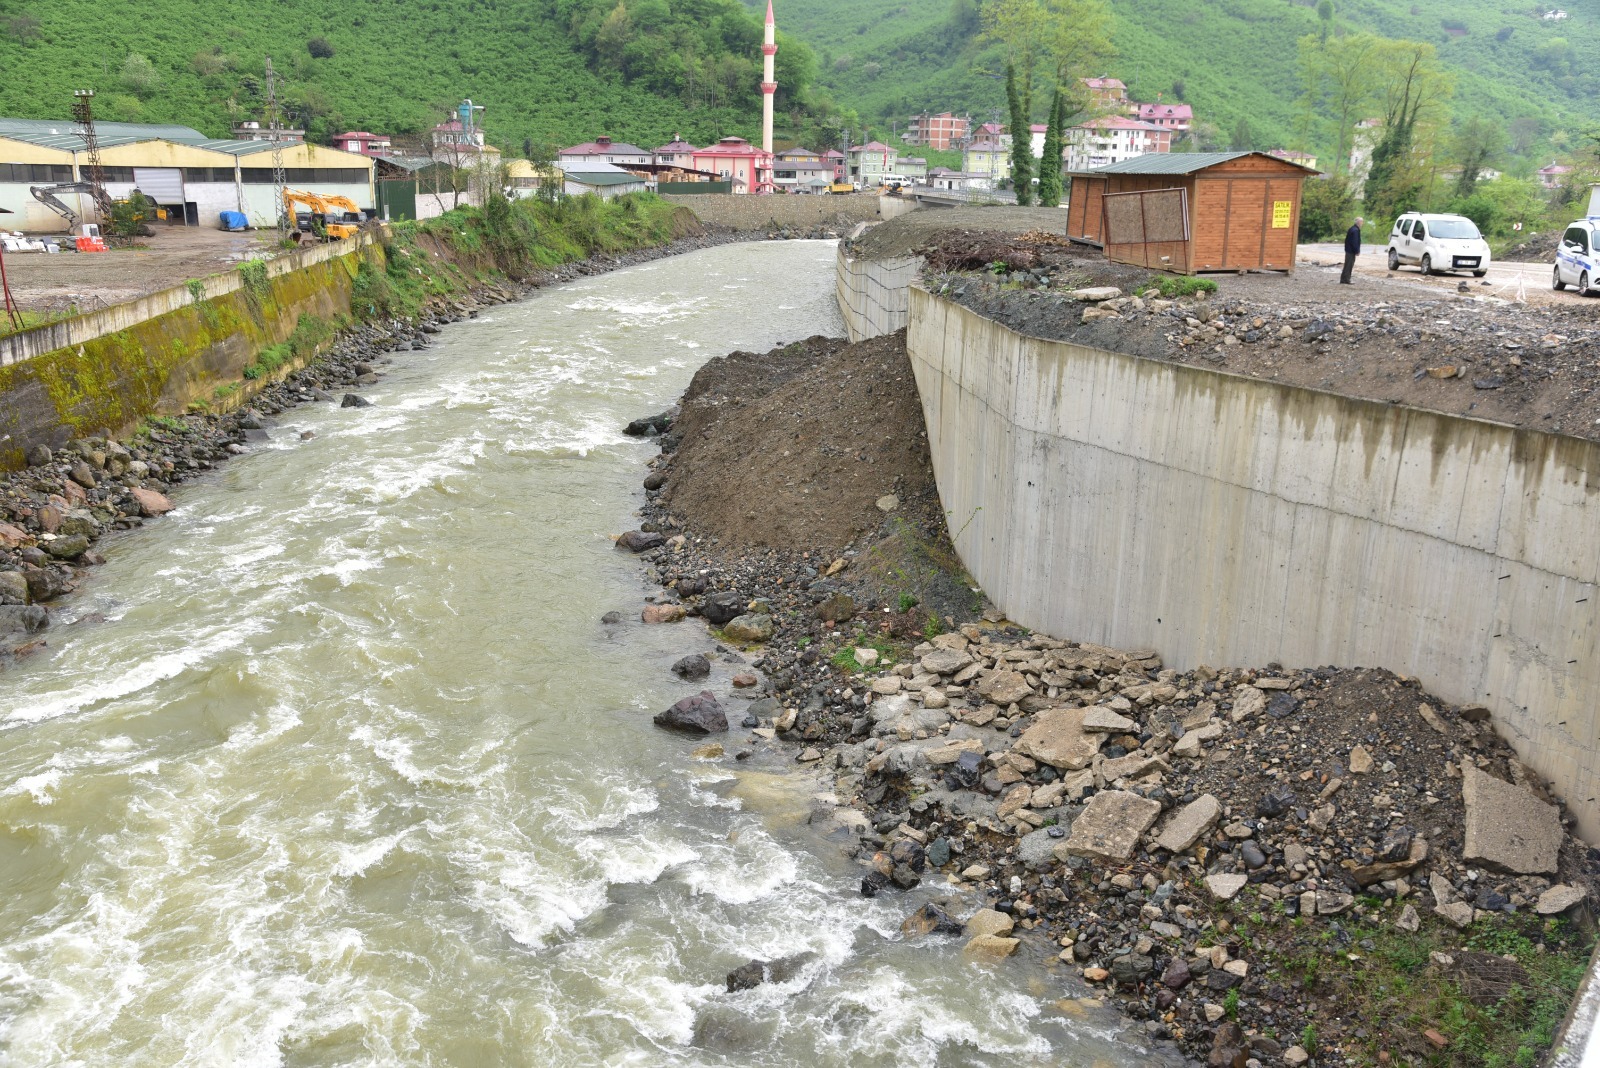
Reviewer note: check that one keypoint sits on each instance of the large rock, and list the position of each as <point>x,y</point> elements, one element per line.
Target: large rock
<point>638,541</point>
<point>700,714</point>
<point>1057,738</point>
<point>1558,899</point>
<point>991,947</point>
<point>1186,826</point>
<point>989,922</point>
<point>1507,826</point>
<point>693,666</point>
<point>13,537</point>
<point>945,661</point>
<point>1004,687</point>
<point>1247,702</point>
<point>13,587</point>
<point>720,608</point>
<point>750,627</point>
<point>150,502</point>
<point>928,920</point>
<point>22,620</point>
<point>663,613</point>
<point>68,548</point>
<point>836,609</point>
<point>1110,826</point>
<point>1108,721</point>
<point>753,974</point>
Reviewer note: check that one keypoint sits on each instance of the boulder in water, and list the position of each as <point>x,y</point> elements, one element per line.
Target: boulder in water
<point>351,400</point>
<point>700,714</point>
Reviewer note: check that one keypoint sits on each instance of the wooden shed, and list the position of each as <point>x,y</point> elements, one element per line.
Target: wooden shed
<point>1190,212</point>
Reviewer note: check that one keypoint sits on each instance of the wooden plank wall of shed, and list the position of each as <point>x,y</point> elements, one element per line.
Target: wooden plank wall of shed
<point>1233,204</point>
<point>1083,208</point>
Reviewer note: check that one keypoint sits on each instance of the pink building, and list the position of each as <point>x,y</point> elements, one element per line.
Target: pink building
<point>735,159</point>
<point>941,131</point>
<point>368,144</point>
<point>1175,117</point>
<point>1551,176</point>
<point>835,159</point>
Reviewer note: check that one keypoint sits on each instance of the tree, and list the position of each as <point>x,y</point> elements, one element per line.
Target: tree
<point>138,74</point>
<point>1414,91</point>
<point>1242,140</point>
<point>319,48</point>
<point>1325,16</point>
<point>1021,142</point>
<point>1475,146</point>
<point>1070,37</point>
<point>22,28</point>
<point>1325,207</point>
<point>1338,77</point>
<point>208,64</point>
<point>1050,162</point>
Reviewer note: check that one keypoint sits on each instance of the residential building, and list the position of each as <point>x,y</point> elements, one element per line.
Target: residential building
<point>1305,159</point>
<point>987,164</point>
<point>1113,139</point>
<point>737,160</point>
<point>941,132</point>
<point>797,169</point>
<point>1106,94</point>
<point>605,150</point>
<point>993,131</point>
<point>871,161</point>
<point>1552,176</point>
<point>368,144</point>
<point>841,166</point>
<point>675,153</point>
<point>914,167</point>
<point>1175,117</point>
<point>945,178</point>
<point>255,131</point>
<point>1362,141</point>
<point>1036,134</point>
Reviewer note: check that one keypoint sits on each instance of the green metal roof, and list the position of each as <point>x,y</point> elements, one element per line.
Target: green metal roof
<point>602,178</point>
<point>1179,163</point>
<point>50,132</point>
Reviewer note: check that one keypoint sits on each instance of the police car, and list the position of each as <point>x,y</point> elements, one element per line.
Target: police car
<point>1578,258</point>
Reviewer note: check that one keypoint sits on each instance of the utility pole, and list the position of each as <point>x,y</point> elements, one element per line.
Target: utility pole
<point>280,180</point>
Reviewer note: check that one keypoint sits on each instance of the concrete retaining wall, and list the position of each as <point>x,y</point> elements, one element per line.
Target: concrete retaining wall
<point>1233,521</point>
<point>97,324</point>
<point>872,294</point>
<point>742,212</point>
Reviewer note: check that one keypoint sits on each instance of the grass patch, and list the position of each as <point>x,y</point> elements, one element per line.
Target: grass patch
<point>1174,286</point>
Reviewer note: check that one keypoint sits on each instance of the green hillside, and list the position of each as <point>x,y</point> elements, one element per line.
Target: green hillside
<point>546,70</point>
<point>1231,59</point>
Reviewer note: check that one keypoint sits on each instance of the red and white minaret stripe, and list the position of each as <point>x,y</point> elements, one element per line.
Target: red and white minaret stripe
<point>769,85</point>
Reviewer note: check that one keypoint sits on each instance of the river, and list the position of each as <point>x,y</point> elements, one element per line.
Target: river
<point>340,766</point>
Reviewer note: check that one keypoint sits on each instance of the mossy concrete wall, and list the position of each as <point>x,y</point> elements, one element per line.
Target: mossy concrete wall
<point>108,382</point>
<point>1227,520</point>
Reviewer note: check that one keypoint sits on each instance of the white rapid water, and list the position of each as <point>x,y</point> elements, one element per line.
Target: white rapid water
<point>350,774</point>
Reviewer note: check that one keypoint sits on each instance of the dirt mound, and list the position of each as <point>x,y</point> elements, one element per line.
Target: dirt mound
<point>793,449</point>
<point>1540,248</point>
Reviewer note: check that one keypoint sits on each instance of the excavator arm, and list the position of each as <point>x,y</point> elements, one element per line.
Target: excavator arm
<point>46,195</point>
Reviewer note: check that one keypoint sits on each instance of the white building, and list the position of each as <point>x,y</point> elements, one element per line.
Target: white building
<point>605,150</point>
<point>1113,139</point>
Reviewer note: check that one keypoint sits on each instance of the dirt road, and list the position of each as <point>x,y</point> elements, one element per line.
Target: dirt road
<point>1504,279</point>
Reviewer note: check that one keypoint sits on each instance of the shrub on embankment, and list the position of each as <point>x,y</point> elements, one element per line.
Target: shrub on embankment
<point>271,324</point>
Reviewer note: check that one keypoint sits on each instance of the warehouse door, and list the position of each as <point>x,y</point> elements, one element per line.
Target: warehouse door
<point>164,185</point>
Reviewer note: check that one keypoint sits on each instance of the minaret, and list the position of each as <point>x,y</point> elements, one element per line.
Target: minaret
<point>769,85</point>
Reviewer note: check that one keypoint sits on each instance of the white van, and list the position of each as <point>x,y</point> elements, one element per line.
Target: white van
<point>1578,258</point>
<point>1438,243</point>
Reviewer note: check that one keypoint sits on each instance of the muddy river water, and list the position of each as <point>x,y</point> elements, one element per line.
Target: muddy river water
<point>351,773</point>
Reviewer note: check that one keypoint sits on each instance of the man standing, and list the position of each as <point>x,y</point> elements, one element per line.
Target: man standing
<point>1352,249</point>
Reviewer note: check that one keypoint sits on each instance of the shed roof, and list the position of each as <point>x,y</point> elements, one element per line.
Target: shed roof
<point>39,131</point>
<point>1181,163</point>
<point>601,178</point>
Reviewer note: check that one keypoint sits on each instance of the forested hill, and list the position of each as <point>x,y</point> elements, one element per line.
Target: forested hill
<point>556,71</point>
<point>1231,59</point>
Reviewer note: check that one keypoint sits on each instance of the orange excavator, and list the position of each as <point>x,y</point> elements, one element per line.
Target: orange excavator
<point>335,216</point>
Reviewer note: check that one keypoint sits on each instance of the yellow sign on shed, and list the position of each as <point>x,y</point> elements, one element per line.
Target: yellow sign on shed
<point>1281,210</point>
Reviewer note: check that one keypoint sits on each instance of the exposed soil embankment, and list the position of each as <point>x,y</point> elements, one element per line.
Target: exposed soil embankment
<point>1530,366</point>
<point>1252,863</point>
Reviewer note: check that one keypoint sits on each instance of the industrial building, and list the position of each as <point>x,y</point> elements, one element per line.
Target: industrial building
<point>190,175</point>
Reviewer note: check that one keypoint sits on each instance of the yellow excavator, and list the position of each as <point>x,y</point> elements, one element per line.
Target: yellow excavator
<point>336,216</point>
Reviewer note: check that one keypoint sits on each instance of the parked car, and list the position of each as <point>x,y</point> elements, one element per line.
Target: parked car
<point>1578,258</point>
<point>1438,243</point>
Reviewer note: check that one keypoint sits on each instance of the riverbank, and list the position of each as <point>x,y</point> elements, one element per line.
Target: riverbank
<point>55,510</point>
<point>1252,863</point>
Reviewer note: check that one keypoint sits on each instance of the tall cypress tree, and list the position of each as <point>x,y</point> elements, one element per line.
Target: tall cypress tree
<point>1021,142</point>
<point>1050,164</point>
